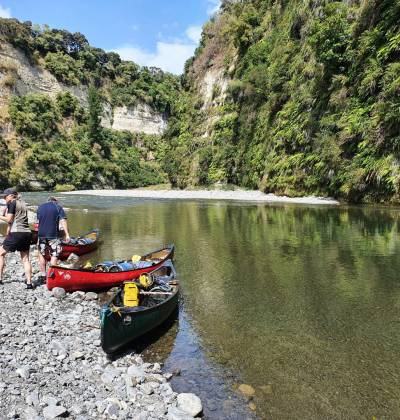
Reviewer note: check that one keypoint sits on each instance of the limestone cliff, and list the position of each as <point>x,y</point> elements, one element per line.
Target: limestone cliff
<point>140,118</point>
<point>19,76</point>
<point>75,116</point>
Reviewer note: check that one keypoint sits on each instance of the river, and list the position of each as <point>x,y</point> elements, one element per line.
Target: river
<point>300,302</point>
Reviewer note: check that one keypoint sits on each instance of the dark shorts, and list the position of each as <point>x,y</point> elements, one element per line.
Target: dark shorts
<point>17,241</point>
<point>50,247</point>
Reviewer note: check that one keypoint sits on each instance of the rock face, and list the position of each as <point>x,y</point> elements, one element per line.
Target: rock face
<point>31,78</point>
<point>138,119</point>
<point>213,87</point>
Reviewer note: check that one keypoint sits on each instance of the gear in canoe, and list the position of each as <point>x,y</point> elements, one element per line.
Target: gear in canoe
<point>106,274</point>
<point>138,307</point>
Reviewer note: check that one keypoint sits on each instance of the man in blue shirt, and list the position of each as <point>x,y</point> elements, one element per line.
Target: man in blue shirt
<point>50,216</point>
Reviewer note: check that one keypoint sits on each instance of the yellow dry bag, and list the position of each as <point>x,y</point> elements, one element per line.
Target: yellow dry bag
<point>145,281</point>
<point>131,295</point>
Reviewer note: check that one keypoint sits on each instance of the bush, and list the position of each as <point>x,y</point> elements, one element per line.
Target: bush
<point>34,116</point>
<point>65,68</point>
<point>64,187</point>
<point>67,104</point>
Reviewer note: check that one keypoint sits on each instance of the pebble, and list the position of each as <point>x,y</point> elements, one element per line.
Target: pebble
<point>190,404</point>
<point>58,292</point>
<point>91,296</point>
<point>54,411</point>
<point>252,406</point>
<point>33,398</point>
<point>52,364</point>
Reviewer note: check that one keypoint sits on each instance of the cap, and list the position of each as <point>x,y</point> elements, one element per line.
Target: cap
<point>52,198</point>
<point>9,191</point>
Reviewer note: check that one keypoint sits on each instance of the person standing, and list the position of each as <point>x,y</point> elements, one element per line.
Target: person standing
<point>18,233</point>
<point>50,216</point>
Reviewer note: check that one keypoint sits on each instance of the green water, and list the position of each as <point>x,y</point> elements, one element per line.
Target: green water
<point>302,303</point>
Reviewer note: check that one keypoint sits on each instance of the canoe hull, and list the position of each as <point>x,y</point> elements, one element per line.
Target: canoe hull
<point>120,329</point>
<point>68,249</point>
<point>72,280</point>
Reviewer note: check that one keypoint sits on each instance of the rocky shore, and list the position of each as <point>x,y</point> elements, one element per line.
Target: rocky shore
<point>52,365</point>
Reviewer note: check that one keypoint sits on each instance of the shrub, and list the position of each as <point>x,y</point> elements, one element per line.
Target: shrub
<point>64,187</point>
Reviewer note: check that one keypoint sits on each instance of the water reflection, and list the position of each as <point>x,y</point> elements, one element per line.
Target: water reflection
<point>303,303</point>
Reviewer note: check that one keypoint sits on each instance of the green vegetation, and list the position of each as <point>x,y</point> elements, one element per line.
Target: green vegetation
<point>313,105</point>
<point>60,143</point>
<point>85,157</point>
<point>70,58</point>
<point>5,157</point>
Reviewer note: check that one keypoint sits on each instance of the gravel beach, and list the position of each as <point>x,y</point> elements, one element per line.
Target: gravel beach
<point>235,195</point>
<point>52,365</point>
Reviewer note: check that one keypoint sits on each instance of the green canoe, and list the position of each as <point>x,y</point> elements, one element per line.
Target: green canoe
<point>120,324</point>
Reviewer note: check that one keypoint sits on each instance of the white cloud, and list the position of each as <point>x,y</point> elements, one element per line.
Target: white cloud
<point>4,13</point>
<point>169,55</point>
<point>194,33</point>
<point>213,6</point>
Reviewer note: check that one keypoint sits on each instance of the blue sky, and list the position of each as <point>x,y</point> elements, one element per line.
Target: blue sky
<point>162,33</point>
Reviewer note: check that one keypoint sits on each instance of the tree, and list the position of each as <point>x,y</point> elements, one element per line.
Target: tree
<point>95,110</point>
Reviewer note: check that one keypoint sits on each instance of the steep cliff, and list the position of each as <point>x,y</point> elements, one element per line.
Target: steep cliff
<point>51,125</point>
<point>140,118</point>
<point>294,97</point>
<point>19,76</point>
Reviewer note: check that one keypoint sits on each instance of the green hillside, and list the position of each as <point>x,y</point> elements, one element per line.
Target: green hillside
<point>291,97</point>
<point>312,107</point>
<point>59,142</point>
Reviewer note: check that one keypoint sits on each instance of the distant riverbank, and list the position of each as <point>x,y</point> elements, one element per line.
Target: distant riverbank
<point>235,195</point>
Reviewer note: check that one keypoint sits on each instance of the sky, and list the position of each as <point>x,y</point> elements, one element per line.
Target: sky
<point>161,33</point>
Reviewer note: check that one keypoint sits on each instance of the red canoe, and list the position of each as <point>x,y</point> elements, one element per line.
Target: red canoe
<point>73,279</point>
<point>79,246</point>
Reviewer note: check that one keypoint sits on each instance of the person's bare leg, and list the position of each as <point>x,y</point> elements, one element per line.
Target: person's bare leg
<point>54,261</point>
<point>27,266</point>
<point>42,263</point>
<point>3,253</point>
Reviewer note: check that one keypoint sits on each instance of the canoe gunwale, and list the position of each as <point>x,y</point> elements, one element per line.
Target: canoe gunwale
<point>131,311</point>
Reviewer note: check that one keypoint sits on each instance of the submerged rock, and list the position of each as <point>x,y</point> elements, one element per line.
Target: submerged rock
<point>247,390</point>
